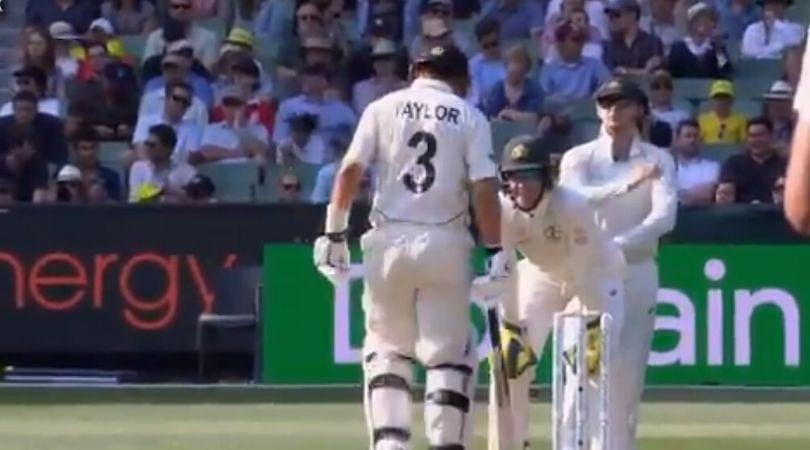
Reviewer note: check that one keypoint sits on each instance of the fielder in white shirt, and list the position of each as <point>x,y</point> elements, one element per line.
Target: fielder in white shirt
<point>432,152</point>
<point>772,35</point>
<point>567,256</point>
<point>631,184</point>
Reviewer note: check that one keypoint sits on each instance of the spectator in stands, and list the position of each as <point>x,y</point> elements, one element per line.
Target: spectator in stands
<point>771,36</point>
<point>109,91</point>
<point>437,30</point>
<point>130,16</point>
<point>238,45</point>
<point>25,167</point>
<point>394,15</point>
<point>516,98</point>
<point>572,77</point>
<point>360,63</point>
<point>308,23</point>
<point>519,19</point>
<point>778,192</point>
<point>209,9</point>
<point>178,97</point>
<point>160,175</point>
<point>661,96</point>
<point>43,130</point>
<point>331,12</point>
<point>101,183</point>
<point>486,67</point>
<point>260,108</point>
<point>696,176</point>
<point>78,13</point>
<point>289,187</point>
<point>200,190</point>
<point>385,79</point>
<point>39,52</point>
<point>577,17</point>
<point>631,50</point>
<point>595,10</point>
<point>756,171</point>
<point>275,20</point>
<point>721,125</point>
<point>661,23</point>
<point>302,145</point>
<point>325,178</point>
<point>726,194</point>
<point>69,186</point>
<point>334,116</point>
<point>34,80</point>
<point>67,49</point>
<point>700,54</point>
<point>203,41</point>
<point>234,138</point>
<point>102,32</point>
<point>778,108</point>
<point>75,119</point>
<point>735,16</point>
<point>175,69</point>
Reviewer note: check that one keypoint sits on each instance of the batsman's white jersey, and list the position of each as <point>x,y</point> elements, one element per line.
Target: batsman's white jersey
<point>636,218</point>
<point>427,146</point>
<point>567,257</point>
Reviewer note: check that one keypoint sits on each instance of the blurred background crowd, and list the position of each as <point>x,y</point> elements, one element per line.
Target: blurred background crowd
<point>197,101</point>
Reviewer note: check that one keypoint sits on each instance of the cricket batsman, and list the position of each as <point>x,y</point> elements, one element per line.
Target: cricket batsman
<point>431,152</point>
<point>631,185</point>
<point>567,258</point>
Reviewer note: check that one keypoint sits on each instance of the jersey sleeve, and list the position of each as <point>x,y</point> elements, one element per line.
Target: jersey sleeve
<point>573,173</point>
<point>479,156</point>
<point>363,148</point>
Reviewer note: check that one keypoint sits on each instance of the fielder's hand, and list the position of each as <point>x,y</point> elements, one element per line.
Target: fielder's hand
<point>498,280</point>
<point>332,259</point>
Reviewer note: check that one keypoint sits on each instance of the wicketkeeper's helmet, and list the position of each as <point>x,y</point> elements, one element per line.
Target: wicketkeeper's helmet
<point>529,155</point>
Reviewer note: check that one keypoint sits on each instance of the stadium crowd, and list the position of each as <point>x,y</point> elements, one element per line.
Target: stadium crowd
<point>256,100</point>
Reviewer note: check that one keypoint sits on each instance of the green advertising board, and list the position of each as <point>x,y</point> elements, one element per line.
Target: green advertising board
<point>727,315</point>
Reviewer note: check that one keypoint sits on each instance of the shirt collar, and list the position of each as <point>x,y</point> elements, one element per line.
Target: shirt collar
<point>432,83</point>
<point>636,148</point>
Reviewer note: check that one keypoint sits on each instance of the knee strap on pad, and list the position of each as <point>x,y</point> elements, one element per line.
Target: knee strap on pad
<point>446,447</point>
<point>388,397</point>
<point>447,405</point>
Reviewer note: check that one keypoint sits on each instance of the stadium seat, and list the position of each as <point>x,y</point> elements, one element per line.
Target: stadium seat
<point>503,131</point>
<point>720,152</point>
<point>748,108</point>
<point>110,152</point>
<point>234,181</point>
<point>582,131</point>
<point>582,110</point>
<point>134,45</point>
<point>692,88</point>
<point>748,68</point>
<point>753,88</point>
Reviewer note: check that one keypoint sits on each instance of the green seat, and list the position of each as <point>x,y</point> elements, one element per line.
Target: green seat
<point>692,88</point>
<point>582,110</point>
<point>748,108</point>
<point>503,131</point>
<point>753,88</point>
<point>134,44</point>
<point>748,68</point>
<point>110,152</point>
<point>582,131</point>
<point>217,25</point>
<point>720,152</point>
<point>234,181</point>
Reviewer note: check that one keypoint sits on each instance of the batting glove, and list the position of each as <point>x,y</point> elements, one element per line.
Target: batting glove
<point>497,282</point>
<point>331,251</point>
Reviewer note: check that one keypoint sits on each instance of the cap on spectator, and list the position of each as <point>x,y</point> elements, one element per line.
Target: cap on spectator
<point>384,48</point>
<point>700,9</point>
<point>63,31</point>
<point>780,90</point>
<point>148,192</point>
<point>623,5</point>
<point>317,42</point>
<point>69,173</point>
<point>720,88</point>
<point>247,66</point>
<point>233,92</point>
<point>434,27</point>
<point>39,75</point>
<point>621,88</point>
<point>102,24</point>
<point>180,46</point>
<point>240,37</point>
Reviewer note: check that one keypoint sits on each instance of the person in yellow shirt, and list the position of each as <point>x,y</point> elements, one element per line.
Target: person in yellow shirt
<point>721,125</point>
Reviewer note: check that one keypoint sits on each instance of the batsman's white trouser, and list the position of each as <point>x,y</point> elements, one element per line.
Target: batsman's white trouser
<point>539,296</point>
<point>416,301</point>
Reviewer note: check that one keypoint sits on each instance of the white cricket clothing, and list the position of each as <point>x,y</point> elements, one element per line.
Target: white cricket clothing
<point>696,172</point>
<point>801,102</point>
<point>428,144</point>
<point>757,44</point>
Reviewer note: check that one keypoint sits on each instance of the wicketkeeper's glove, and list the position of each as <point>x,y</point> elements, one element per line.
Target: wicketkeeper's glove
<point>593,347</point>
<point>517,355</point>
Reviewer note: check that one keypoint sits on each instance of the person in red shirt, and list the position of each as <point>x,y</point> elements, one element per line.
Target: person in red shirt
<point>260,108</point>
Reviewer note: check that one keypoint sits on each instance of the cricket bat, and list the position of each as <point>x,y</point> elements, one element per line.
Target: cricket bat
<point>501,422</point>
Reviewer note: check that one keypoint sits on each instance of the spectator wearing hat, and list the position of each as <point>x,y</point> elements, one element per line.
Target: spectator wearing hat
<point>95,176</point>
<point>260,108</point>
<point>33,79</point>
<point>436,31</point>
<point>721,125</point>
<point>778,108</point>
<point>573,76</point>
<point>771,36</point>
<point>661,23</point>
<point>696,176</point>
<point>130,17</point>
<point>67,49</point>
<point>594,9</point>
<point>359,65</point>
<point>486,67</point>
<point>735,16</point>
<point>175,69</point>
<point>203,41</point>
<point>755,172</point>
<point>234,138</point>
<point>384,81</point>
<point>334,116</point>
<point>239,44</point>
<point>519,19</point>
<point>176,66</point>
<point>102,31</point>
<point>517,98</point>
<point>160,176</point>
<point>631,50</point>
<point>661,96</point>
<point>43,130</point>
<point>178,98</point>
<point>700,54</point>
<point>109,92</point>
<point>39,51</point>
<point>24,166</point>
<point>78,13</point>
<point>576,16</point>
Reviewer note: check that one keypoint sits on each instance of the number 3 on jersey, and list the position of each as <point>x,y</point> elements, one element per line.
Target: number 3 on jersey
<point>421,184</point>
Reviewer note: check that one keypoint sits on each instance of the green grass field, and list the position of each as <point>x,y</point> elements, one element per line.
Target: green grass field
<point>667,426</point>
